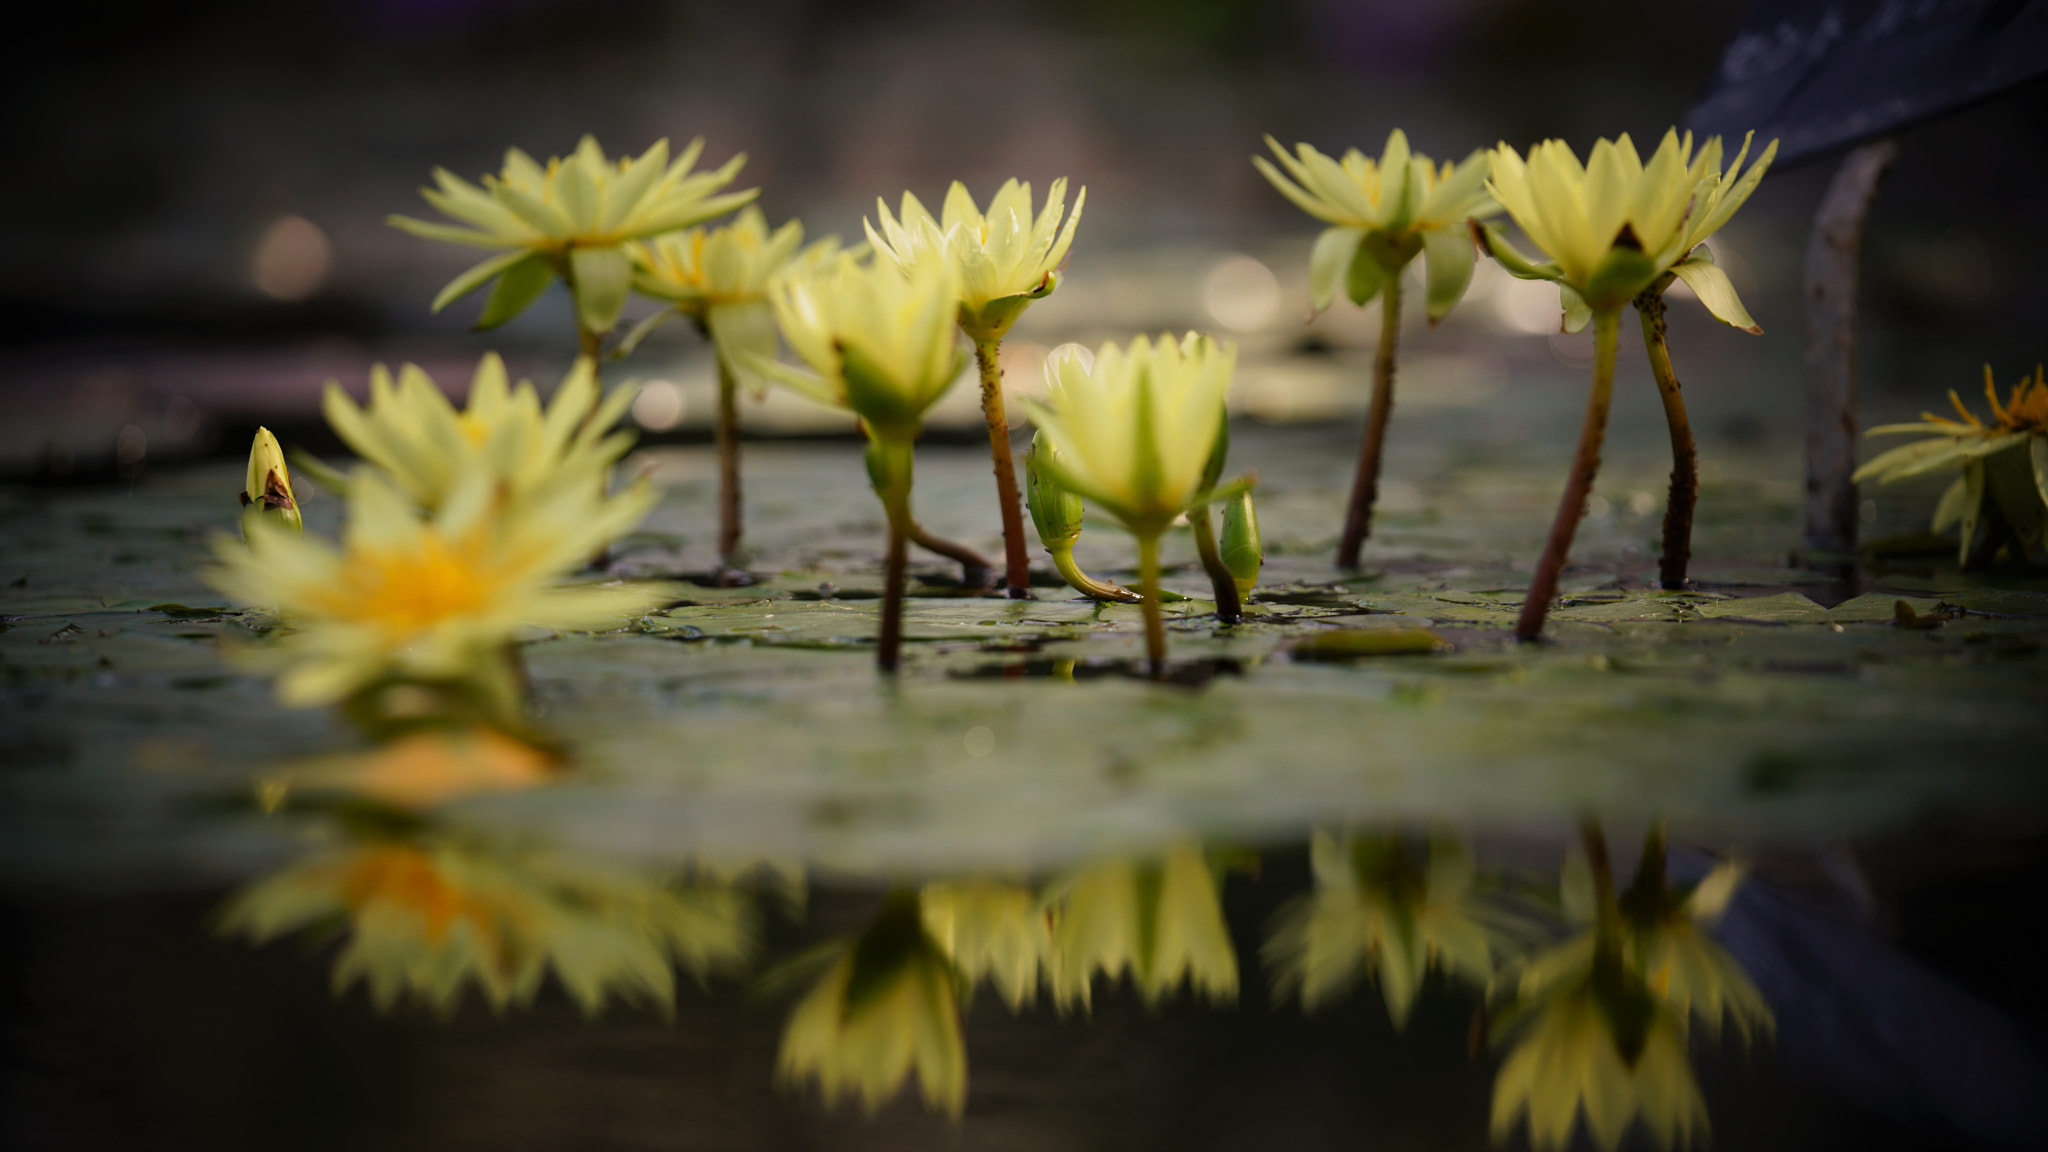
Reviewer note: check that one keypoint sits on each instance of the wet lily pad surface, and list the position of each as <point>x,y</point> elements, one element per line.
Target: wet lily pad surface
<point>1766,701</point>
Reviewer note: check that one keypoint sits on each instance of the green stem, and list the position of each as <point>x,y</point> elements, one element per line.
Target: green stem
<point>728,466</point>
<point>1685,466</point>
<point>1365,486</point>
<point>589,343</point>
<point>889,644</point>
<point>1229,609</point>
<point>1606,333</point>
<point>1086,585</point>
<point>1148,586</point>
<point>1016,561</point>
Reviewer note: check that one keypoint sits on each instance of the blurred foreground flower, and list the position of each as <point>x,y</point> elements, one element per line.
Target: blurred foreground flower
<point>2003,488</point>
<point>719,279</point>
<point>425,448</point>
<point>882,345</point>
<point>1138,432</point>
<point>1158,920</point>
<point>425,919</point>
<point>436,600</point>
<point>1005,260</point>
<point>1381,216</point>
<point>1621,231</point>
<point>1379,909</point>
<point>571,219</point>
<point>267,490</point>
<point>888,1006</point>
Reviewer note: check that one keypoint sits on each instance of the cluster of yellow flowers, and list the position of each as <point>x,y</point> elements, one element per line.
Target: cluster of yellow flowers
<point>1616,231</point>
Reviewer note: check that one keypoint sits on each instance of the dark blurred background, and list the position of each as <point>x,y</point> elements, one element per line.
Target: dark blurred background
<point>193,228</point>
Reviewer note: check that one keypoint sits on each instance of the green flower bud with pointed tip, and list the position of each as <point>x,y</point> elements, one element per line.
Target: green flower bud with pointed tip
<point>267,491</point>
<point>1243,553</point>
<point>1056,513</point>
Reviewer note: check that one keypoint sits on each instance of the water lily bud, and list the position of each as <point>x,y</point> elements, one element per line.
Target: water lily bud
<point>1242,551</point>
<point>1055,512</point>
<point>267,491</point>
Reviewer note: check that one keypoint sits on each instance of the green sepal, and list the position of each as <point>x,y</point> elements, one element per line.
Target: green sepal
<point>1949,511</point>
<point>1449,257</point>
<point>1973,508</point>
<point>518,286</point>
<point>1392,250</point>
<point>1363,278</point>
<point>1715,290</point>
<point>1333,252</point>
<point>994,318</point>
<point>1243,552</point>
<point>1577,313</point>
<point>875,398</point>
<point>1620,275</point>
<point>601,277</point>
<point>2009,479</point>
<point>1055,511</point>
<point>477,276</point>
<point>2037,450</point>
<point>1213,471</point>
<point>1504,254</point>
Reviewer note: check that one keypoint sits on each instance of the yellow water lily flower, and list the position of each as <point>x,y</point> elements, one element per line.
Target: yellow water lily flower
<point>427,919</point>
<point>267,488</point>
<point>719,278</point>
<point>435,599</point>
<point>1379,909</point>
<point>1135,430</point>
<point>878,343</point>
<point>1006,258</point>
<point>424,447</point>
<point>887,1007</point>
<point>2004,463</point>
<point>1382,214</point>
<point>1613,226</point>
<point>571,219</point>
<point>1157,920</point>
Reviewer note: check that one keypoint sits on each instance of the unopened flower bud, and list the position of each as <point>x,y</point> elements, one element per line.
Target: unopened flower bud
<point>1242,551</point>
<point>267,490</point>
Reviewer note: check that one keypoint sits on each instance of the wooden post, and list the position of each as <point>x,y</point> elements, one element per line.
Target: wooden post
<point>1833,256</point>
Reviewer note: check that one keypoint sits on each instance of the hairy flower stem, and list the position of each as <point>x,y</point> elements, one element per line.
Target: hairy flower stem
<point>728,467</point>
<point>975,568</point>
<point>1148,586</point>
<point>1229,609</point>
<point>1685,462</point>
<point>1016,561</point>
<point>1606,334</point>
<point>1365,487</point>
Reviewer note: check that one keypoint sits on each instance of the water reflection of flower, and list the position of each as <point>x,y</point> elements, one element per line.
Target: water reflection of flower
<point>426,909</point>
<point>1379,908</point>
<point>1599,1022</point>
<point>1157,920</point>
<point>888,1006</point>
